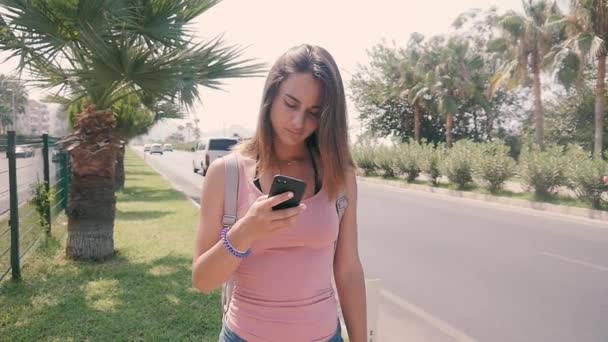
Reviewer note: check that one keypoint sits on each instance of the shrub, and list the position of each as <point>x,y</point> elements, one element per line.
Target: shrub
<point>385,157</point>
<point>586,175</point>
<point>432,160</point>
<point>542,171</point>
<point>409,160</point>
<point>494,165</point>
<point>365,159</point>
<point>459,162</point>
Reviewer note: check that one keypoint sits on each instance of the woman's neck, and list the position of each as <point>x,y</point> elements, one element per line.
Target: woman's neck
<point>291,153</point>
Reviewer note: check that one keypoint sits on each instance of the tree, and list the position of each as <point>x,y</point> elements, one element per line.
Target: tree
<point>527,38</point>
<point>587,30</point>
<point>415,66</point>
<point>378,93</point>
<point>13,101</point>
<point>571,115</point>
<point>101,51</point>
<point>455,80</point>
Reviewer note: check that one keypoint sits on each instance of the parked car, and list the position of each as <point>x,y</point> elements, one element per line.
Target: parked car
<point>206,152</point>
<point>147,147</point>
<point>55,154</point>
<point>168,148</point>
<point>22,151</point>
<point>156,148</point>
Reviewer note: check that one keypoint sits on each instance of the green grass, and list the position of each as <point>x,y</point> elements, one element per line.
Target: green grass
<point>144,293</point>
<point>30,230</point>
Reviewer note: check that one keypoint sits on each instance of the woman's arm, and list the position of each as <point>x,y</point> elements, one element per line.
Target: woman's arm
<point>212,263</point>
<point>348,272</point>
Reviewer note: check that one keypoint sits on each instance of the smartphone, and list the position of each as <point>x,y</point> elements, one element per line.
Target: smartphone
<point>281,184</point>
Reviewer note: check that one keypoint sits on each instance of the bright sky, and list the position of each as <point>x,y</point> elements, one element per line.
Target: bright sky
<point>344,27</point>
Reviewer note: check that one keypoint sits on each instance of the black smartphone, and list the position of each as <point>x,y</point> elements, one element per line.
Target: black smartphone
<point>281,184</point>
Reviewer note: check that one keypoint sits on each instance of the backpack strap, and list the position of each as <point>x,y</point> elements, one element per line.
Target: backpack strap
<point>231,192</point>
<point>231,189</point>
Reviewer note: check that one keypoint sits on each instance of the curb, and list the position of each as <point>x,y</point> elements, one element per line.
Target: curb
<point>540,206</point>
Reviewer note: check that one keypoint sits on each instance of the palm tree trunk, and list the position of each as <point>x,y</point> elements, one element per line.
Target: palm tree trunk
<point>448,130</point>
<point>91,211</point>
<point>92,202</point>
<point>119,180</point>
<point>538,107</point>
<point>600,105</point>
<point>417,123</point>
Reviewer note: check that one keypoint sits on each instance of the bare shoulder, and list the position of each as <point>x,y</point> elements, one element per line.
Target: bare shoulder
<point>215,173</point>
<point>350,183</point>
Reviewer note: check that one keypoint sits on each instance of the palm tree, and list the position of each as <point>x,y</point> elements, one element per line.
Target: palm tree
<point>454,79</point>
<point>587,30</point>
<point>412,83</point>
<point>102,51</point>
<point>527,39</point>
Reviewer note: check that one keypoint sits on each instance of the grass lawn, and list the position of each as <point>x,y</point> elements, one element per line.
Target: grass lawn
<point>143,294</point>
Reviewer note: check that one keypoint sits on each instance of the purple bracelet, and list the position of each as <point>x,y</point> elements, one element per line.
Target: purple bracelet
<point>231,248</point>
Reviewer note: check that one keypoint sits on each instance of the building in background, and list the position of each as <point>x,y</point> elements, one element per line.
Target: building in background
<point>59,122</point>
<point>35,120</point>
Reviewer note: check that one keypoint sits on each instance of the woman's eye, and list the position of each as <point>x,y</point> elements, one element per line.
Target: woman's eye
<point>290,105</point>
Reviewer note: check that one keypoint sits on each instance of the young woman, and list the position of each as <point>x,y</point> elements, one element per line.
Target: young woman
<point>282,261</point>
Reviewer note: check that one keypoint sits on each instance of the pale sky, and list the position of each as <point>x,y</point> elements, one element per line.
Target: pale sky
<point>345,28</point>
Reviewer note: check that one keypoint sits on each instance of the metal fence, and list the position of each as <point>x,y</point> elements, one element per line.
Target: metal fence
<point>26,164</point>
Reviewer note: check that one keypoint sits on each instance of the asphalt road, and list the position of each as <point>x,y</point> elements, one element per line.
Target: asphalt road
<point>30,171</point>
<point>464,270</point>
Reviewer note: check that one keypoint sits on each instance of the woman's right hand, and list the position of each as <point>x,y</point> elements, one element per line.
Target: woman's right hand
<point>261,220</point>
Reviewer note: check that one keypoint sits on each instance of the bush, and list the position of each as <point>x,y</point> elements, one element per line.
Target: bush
<point>586,175</point>
<point>365,159</point>
<point>41,200</point>
<point>409,160</point>
<point>494,165</point>
<point>432,159</point>
<point>459,162</point>
<point>385,157</point>
<point>542,171</point>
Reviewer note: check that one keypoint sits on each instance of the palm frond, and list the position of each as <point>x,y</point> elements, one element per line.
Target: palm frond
<point>514,25</point>
<point>505,73</point>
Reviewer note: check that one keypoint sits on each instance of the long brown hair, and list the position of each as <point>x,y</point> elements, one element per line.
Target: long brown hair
<point>330,140</point>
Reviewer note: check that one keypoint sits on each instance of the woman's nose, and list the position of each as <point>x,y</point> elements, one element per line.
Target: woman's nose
<point>297,120</point>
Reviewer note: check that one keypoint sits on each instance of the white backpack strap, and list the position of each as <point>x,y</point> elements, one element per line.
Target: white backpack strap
<point>231,192</point>
<point>231,189</point>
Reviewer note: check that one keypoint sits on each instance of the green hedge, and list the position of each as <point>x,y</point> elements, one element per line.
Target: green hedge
<point>491,165</point>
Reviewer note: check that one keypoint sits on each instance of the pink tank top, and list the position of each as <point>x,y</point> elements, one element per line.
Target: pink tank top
<point>283,291</point>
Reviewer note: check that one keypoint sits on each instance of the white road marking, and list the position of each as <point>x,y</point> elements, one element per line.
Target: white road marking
<point>575,261</point>
<point>427,317</point>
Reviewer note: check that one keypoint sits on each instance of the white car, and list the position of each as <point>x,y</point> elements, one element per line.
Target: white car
<point>168,148</point>
<point>156,148</point>
<point>147,147</point>
<point>205,153</point>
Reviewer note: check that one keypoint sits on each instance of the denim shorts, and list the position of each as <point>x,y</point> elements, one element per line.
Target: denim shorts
<point>227,335</point>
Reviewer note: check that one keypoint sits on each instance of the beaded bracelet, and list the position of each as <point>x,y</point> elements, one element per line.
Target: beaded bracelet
<point>231,248</point>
